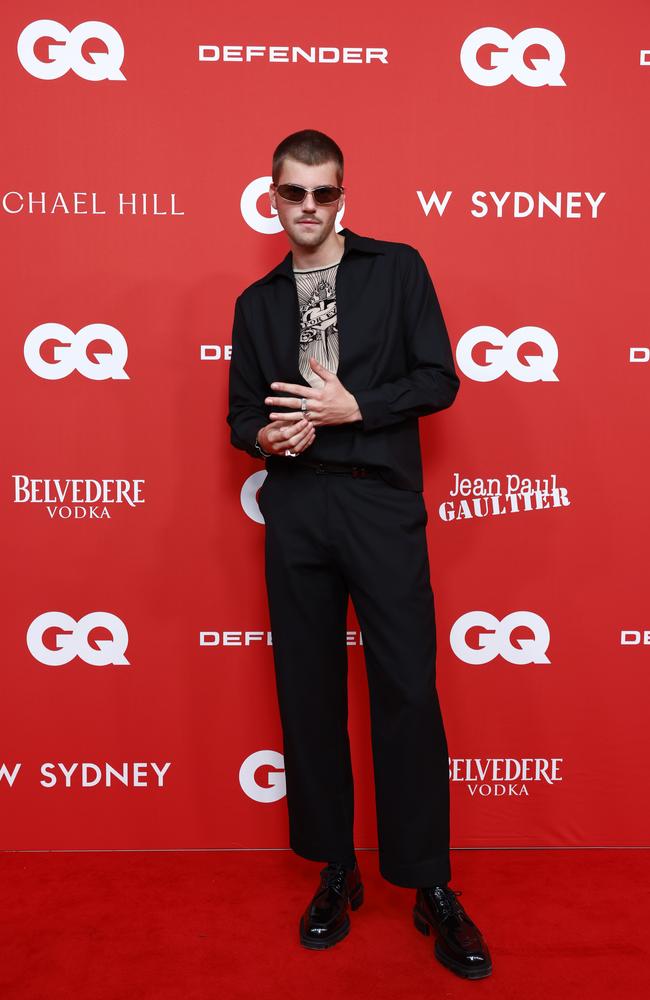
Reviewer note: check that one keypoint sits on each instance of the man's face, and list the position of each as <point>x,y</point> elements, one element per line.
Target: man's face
<point>293,216</point>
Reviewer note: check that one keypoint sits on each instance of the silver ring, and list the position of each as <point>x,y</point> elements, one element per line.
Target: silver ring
<point>303,407</point>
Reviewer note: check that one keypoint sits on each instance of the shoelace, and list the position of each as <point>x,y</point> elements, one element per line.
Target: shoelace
<point>334,877</point>
<point>446,899</point>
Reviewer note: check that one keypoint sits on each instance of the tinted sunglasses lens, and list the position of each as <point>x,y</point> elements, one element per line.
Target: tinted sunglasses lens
<point>326,195</point>
<point>322,196</point>
<point>291,192</point>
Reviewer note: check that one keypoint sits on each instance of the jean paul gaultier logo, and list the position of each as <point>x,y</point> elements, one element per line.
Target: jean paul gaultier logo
<point>510,494</point>
<point>504,775</point>
<point>78,499</point>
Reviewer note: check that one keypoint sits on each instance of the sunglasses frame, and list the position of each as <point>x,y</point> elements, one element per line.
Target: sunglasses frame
<point>310,191</point>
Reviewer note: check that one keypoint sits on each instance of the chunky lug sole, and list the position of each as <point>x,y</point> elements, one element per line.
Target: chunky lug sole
<point>356,899</point>
<point>425,927</point>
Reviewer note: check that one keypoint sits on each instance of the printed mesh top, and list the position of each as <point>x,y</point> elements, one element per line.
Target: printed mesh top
<point>319,335</point>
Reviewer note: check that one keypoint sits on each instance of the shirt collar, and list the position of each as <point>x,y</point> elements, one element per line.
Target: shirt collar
<point>353,242</point>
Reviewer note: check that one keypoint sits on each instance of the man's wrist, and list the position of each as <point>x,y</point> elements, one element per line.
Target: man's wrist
<point>265,454</point>
<point>357,414</point>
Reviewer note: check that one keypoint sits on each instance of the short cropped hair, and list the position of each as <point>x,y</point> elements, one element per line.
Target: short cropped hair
<point>310,147</point>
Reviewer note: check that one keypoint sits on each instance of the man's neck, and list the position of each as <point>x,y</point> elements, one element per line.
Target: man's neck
<point>320,256</point>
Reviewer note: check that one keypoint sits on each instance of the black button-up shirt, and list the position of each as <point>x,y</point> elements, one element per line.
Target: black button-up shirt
<point>395,358</point>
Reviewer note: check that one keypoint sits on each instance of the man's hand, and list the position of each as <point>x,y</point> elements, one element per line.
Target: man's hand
<point>279,435</point>
<point>332,404</point>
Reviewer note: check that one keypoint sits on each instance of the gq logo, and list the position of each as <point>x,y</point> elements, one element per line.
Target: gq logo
<point>248,495</point>
<point>65,51</point>
<point>495,640</point>
<point>71,352</point>
<point>509,60</point>
<point>275,787</point>
<point>72,639</point>
<point>262,223</point>
<point>503,357</point>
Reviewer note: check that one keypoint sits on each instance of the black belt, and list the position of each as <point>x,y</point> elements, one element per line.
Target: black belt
<point>358,471</point>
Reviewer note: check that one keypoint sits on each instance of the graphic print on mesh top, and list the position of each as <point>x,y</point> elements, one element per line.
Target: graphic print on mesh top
<point>319,335</point>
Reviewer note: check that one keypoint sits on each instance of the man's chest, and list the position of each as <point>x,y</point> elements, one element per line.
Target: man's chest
<point>364,303</point>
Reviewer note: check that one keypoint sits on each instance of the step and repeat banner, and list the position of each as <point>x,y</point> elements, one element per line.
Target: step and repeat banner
<point>507,142</point>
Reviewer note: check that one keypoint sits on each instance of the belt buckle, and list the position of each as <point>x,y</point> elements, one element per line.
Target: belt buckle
<point>320,468</point>
<point>358,472</point>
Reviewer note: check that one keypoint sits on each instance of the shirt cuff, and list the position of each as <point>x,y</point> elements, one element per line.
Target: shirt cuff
<point>373,406</point>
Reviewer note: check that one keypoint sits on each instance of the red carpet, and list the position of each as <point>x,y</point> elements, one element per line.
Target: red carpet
<point>105,926</point>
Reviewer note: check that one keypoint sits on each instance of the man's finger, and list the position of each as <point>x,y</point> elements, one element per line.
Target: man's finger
<point>321,370</point>
<point>283,422</point>
<point>289,436</point>
<point>285,428</point>
<point>301,436</point>
<point>291,401</point>
<point>291,417</point>
<point>302,390</point>
<point>280,430</point>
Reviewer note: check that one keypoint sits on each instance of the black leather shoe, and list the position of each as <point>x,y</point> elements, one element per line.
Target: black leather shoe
<point>326,919</point>
<point>459,943</point>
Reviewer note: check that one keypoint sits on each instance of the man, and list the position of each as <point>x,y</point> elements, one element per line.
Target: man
<point>336,353</point>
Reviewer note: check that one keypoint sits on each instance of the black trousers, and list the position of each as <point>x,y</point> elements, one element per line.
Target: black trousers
<point>329,537</point>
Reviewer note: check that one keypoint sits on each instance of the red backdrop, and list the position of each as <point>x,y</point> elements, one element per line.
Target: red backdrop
<point>508,143</point>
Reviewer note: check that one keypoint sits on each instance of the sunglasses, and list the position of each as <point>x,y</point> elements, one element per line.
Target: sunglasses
<point>324,195</point>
